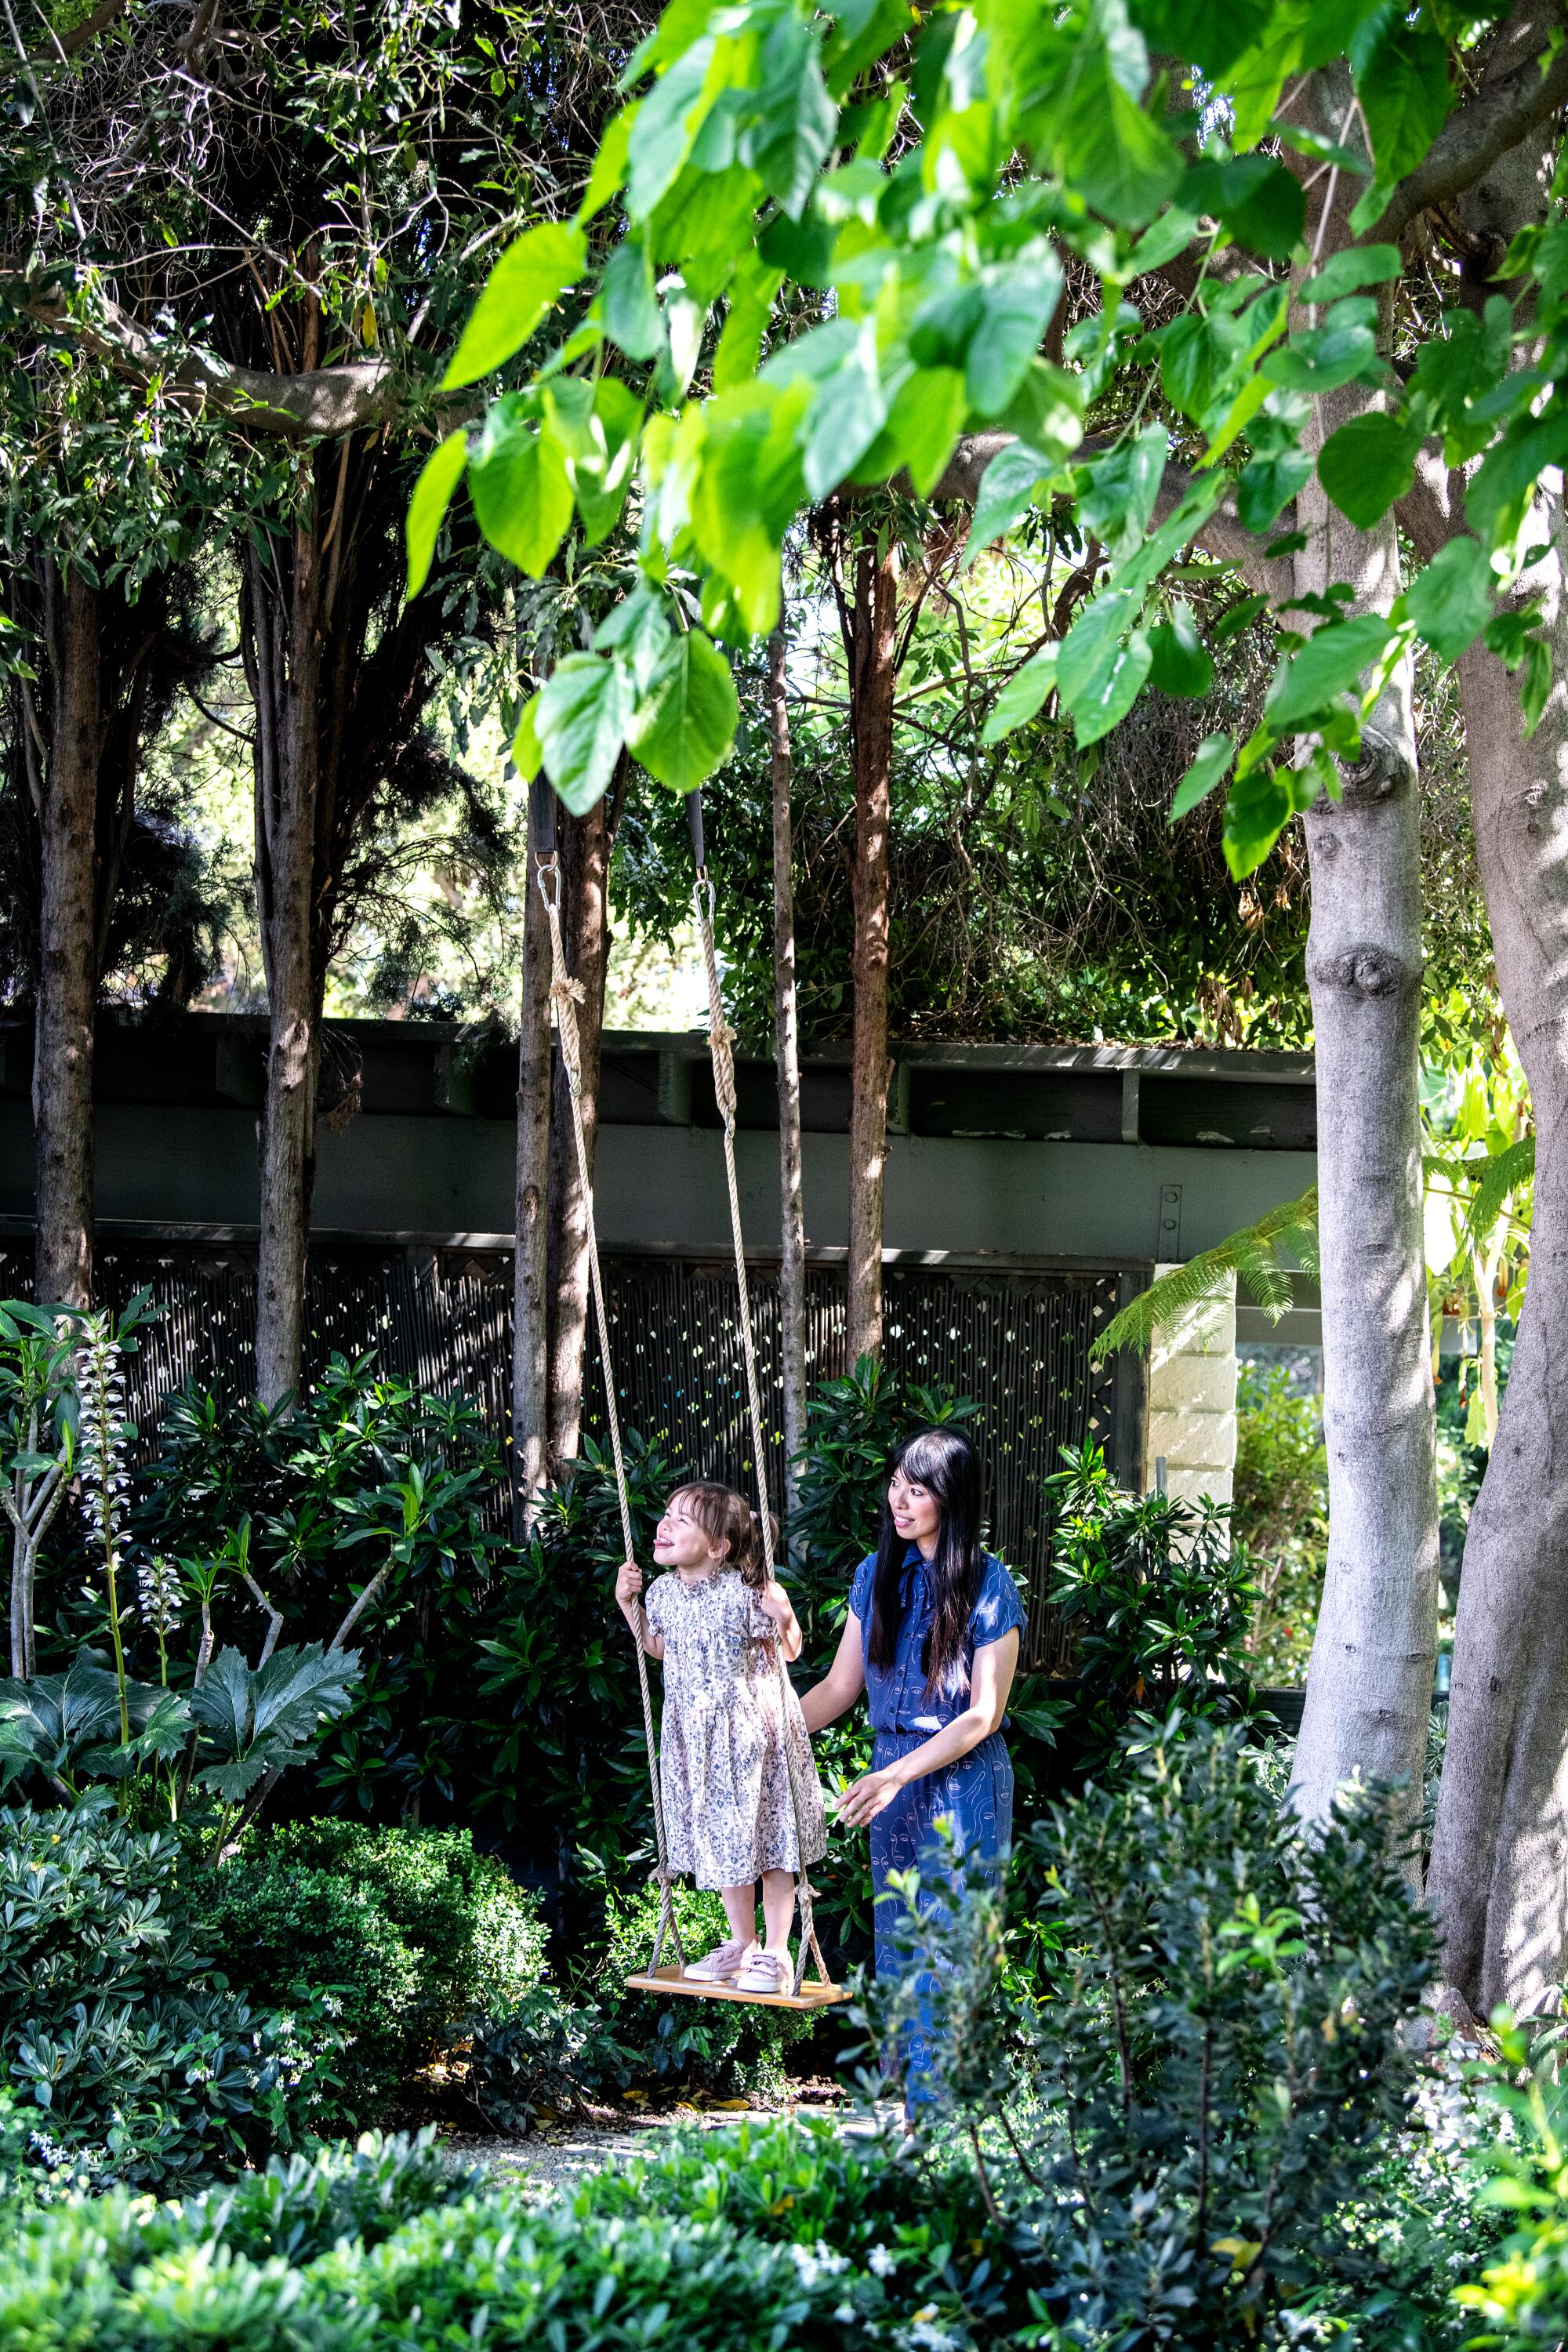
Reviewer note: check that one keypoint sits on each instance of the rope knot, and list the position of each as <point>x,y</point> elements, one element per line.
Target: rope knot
<point>567,991</point>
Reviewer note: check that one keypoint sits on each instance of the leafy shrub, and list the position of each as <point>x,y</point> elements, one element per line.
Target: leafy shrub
<point>724,2046</point>
<point>404,1929</point>
<point>1154,1600</point>
<point>361,1472</point>
<point>1222,2065</point>
<point>1522,2297</point>
<point>124,2045</point>
<point>1280,1518</point>
<point>390,2247</point>
<point>540,2057</point>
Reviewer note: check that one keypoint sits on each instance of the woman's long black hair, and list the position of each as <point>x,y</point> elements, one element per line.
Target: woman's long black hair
<point>944,1461</point>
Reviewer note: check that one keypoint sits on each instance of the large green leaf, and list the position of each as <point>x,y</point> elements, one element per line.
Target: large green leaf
<point>1116,493</point>
<point>260,1719</point>
<point>667,123</point>
<point>1401,81</point>
<point>520,486</point>
<point>748,482</point>
<point>1212,764</point>
<point>925,420</point>
<point>847,415</point>
<point>1007,490</point>
<point>789,143</point>
<point>439,477</point>
<point>1321,358</point>
<point>1182,663</point>
<point>1199,32</point>
<point>1348,271</point>
<point>584,708</point>
<point>1022,696</point>
<point>601,473</point>
<point>1261,203</point>
<point>1450,601</point>
<point>684,727</point>
<point>1261,806</point>
<point>526,283</point>
<point>1331,663</point>
<point>1367,464</point>
<point>1015,310</point>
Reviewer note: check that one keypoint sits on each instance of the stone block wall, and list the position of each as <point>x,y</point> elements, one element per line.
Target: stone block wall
<point>1191,1401</point>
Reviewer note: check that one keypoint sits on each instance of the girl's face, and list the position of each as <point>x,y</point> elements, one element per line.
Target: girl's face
<point>679,1543</point>
<point>917,1513</point>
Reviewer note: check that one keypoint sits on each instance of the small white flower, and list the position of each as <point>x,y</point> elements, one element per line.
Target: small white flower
<point>880,2262</point>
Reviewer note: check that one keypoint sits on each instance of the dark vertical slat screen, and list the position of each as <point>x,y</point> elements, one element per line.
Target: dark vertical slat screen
<point>1016,1342</point>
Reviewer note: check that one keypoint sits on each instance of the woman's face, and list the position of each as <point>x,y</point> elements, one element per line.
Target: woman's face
<point>680,1542</point>
<point>917,1513</point>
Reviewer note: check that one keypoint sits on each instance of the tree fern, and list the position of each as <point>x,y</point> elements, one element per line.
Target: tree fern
<point>1255,1256</point>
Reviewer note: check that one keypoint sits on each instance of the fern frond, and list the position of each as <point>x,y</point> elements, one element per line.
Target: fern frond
<point>1254,1254</point>
<point>1508,1171</point>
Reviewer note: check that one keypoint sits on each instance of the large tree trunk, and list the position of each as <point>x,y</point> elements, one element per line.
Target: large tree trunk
<point>283,660</point>
<point>1369,1684</point>
<point>67,963</point>
<point>786,1048</point>
<point>1499,1859</point>
<point>531,1295</point>
<point>872,648</point>
<point>584,852</point>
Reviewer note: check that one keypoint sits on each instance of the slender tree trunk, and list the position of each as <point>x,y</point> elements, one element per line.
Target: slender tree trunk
<point>786,1047</point>
<point>530,1298</point>
<point>584,844</point>
<point>68,966</point>
<point>1370,1681</point>
<point>873,652</point>
<point>1498,1880</point>
<point>283,649</point>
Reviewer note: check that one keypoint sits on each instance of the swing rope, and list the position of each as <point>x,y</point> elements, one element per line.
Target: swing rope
<point>720,1044</point>
<point>567,994</point>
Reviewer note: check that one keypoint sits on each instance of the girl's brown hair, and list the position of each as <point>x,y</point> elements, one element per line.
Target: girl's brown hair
<point>726,1518</point>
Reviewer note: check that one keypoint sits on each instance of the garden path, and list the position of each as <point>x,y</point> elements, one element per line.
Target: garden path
<point>548,2159</point>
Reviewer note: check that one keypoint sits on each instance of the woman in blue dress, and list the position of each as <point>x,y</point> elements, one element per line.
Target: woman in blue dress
<point>933,1639</point>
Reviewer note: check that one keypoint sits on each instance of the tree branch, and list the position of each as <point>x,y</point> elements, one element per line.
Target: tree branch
<point>1510,104</point>
<point>318,403</point>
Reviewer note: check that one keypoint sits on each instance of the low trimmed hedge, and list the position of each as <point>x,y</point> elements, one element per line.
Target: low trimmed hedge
<point>713,2245</point>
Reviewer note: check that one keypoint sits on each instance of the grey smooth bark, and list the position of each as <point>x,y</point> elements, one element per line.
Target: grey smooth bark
<point>786,1050</point>
<point>871,647</point>
<point>1370,1679</point>
<point>1498,1880</point>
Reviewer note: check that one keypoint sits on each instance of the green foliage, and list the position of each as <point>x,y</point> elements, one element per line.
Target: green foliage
<point>1258,1254</point>
<point>1281,1519</point>
<point>1221,2063</point>
<point>401,1931</point>
<point>1155,1602</point>
<point>723,2046</point>
<point>1522,2297</point>
<point>724,2252</point>
<point>364,1480</point>
<point>120,2039</point>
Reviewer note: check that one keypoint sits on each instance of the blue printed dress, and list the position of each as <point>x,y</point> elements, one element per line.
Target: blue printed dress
<point>975,1794</point>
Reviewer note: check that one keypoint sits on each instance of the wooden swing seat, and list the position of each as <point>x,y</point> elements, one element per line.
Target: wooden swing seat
<point>813,1994</point>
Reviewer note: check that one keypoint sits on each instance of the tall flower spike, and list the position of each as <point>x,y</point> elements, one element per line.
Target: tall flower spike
<point>102,1432</point>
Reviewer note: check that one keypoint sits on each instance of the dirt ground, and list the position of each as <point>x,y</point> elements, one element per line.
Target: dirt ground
<point>553,2156</point>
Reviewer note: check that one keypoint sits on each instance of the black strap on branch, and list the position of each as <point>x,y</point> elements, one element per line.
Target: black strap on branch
<point>694,819</point>
<point>542,809</point>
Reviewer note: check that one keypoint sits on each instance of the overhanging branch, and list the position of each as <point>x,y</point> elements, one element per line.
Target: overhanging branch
<point>1513,101</point>
<point>318,403</point>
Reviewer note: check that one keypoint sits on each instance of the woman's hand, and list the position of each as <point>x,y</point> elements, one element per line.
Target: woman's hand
<point>775,1602</point>
<point>867,1796</point>
<point>628,1584</point>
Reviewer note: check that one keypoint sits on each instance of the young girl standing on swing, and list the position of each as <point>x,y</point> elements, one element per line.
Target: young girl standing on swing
<point>724,1768</point>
